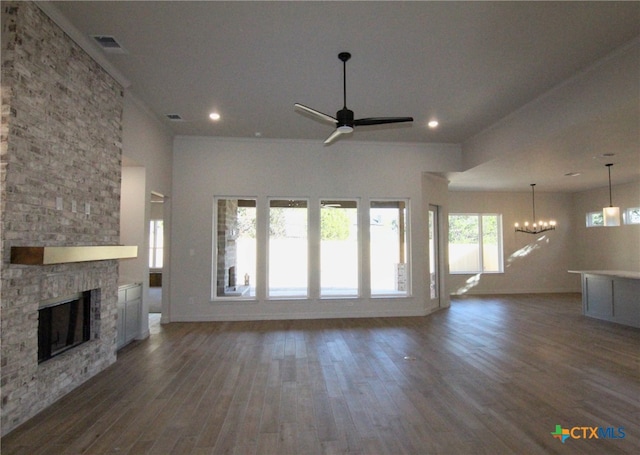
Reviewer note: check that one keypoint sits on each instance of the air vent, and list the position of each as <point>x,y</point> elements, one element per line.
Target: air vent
<point>175,117</point>
<point>109,44</point>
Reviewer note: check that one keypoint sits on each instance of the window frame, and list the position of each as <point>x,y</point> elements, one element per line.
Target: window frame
<point>307,295</point>
<point>358,207</point>
<point>407,247</point>
<point>214,256</point>
<point>398,286</point>
<point>480,245</point>
<point>628,217</point>
<point>589,219</point>
<point>153,245</point>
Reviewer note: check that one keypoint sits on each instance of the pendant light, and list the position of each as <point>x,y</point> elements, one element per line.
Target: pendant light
<point>611,214</point>
<point>538,226</point>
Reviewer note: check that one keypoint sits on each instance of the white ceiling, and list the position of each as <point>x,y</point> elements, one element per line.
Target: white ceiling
<point>468,64</point>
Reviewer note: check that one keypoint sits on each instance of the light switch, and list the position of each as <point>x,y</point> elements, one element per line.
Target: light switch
<point>58,203</point>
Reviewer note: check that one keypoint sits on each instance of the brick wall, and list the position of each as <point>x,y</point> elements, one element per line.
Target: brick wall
<point>226,237</point>
<point>60,141</point>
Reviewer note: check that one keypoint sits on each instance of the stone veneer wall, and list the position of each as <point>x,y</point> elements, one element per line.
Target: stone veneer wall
<point>61,136</point>
<point>227,247</point>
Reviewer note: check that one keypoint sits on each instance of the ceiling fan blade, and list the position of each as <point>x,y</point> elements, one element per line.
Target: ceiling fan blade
<point>337,132</point>
<point>315,114</point>
<point>381,120</point>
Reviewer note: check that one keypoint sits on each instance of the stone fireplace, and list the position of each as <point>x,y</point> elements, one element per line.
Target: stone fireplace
<point>64,323</point>
<point>61,136</point>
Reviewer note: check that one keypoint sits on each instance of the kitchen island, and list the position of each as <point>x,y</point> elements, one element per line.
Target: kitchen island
<point>612,295</point>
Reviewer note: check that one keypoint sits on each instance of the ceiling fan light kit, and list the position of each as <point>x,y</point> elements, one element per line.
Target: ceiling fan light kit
<point>345,121</point>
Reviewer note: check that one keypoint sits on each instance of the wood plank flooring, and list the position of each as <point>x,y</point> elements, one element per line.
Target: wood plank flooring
<point>490,375</point>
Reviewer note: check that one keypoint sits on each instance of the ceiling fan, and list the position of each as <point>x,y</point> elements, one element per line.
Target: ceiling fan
<point>344,120</point>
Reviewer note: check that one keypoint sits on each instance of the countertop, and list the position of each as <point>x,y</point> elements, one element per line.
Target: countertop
<point>613,273</point>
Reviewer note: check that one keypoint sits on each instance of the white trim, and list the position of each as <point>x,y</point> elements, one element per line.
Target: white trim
<point>311,315</point>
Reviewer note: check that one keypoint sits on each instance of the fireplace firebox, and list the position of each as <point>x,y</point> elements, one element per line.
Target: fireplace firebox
<point>63,323</point>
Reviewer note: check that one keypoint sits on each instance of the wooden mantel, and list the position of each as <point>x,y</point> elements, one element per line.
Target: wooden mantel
<point>45,255</point>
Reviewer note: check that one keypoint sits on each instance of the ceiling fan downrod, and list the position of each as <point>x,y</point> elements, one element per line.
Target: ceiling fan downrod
<point>344,56</point>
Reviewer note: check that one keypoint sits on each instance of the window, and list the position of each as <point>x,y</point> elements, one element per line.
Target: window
<point>299,260</point>
<point>288,248</point>
<point>631,215</point>
<point>338,248</point>
<point>156,241</point>
<point>595,219</point>
<point>235,247</point>
<point>388,222</point>
<point>475,243</point>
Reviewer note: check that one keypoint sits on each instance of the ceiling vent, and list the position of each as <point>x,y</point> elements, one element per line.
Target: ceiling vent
<point>109,44</point>
<point>175,117</point>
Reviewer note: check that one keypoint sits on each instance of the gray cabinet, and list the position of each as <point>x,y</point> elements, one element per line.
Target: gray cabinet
<point>129,313</point>
<point>611,295</point>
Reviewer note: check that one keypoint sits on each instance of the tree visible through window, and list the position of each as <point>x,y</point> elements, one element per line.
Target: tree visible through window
<point>300,260</point>
<point>595,219</point>
<point>632,215</point>
<point>338,248</point>
<point>475,243</point>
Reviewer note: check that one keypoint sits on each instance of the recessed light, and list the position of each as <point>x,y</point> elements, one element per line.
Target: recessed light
<point>433,123</point>
<point>572,174</point>
<point>214,116</point>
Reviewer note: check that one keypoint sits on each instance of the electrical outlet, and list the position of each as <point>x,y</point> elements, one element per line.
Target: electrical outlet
<point>58,203</point>
<point>74,206</point>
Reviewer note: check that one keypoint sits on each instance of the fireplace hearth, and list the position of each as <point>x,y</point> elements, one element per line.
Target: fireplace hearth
<point>63,323</point>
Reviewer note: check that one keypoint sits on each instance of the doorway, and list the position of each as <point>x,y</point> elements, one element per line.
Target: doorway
<point>156,253</point>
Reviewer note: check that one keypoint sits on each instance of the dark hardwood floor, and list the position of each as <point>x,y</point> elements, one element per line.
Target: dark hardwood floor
<point>490,375</point>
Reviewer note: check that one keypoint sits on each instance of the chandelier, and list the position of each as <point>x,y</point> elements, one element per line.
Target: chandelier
<point>538,226</point>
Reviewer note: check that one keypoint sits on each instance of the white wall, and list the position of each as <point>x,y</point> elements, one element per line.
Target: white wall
<point>532,263</point>
<point>147,144</point>
<point>611,248</point>
<point>132,209</point>
<point>206,167</point>
<point>540,263</point>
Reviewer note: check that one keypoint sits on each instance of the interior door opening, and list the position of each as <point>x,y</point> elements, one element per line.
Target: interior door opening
<point>156,252</point>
